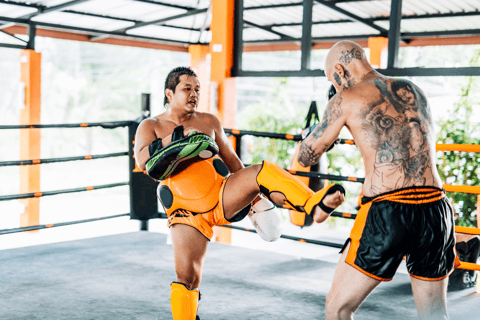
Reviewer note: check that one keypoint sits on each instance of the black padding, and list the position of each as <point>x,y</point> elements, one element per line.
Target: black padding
<point>177,133</point>
<point>220,167</point>
<point>332,190</point>
<point>265,192</point>
<point>166,196</point>
<point>154,146</point>
<point>240,215</point>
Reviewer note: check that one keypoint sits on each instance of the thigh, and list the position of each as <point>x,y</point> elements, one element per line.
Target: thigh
<point>240,190</point>
<point>350,288</point>
<point>189,250</point>
<point>430,298</point>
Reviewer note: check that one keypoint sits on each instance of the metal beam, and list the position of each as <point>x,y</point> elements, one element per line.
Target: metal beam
<point>306,34</point>
<point>166,4</point>
<point>32,30</point>
<point>45,9</point>
<point>163,20</point>
<point>353,16</point>
<point>12,46</point>
<point>13,36</point>
<point>237,38</point>
<point>158,22</point>
<point>393,72</point>
<point>272,6</point>
<point>281,35</point>
<point>394,33</point>
<point>91,31</point>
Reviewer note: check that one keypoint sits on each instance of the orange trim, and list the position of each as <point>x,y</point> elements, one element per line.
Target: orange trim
<point>429,279</point>
<point>378,47</point>
<point>49,225</point>
<point>464,189</point>
<point>467,230</point>
<point>235,131</point>
<point>37,194</point>
<point>88,157</point>
<point>369,274</point>
<point>289,137</point>
<point>346,215</point>
<point>83,125</point>
<point>352,179</point>
<point>301,240</point>
<point>350,142</point>
<point>36,161</point>
<point>90,188</point>
<point>458,147</point>
<point>468,266</point>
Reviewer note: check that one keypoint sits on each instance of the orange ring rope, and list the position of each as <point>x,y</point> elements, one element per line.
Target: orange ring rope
<point>468,266</point>
<point>467,230</point>
<point>458,147</point>
<point>464,189</point>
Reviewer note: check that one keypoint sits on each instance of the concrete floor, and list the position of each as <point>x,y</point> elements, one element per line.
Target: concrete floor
<point>127,276</point>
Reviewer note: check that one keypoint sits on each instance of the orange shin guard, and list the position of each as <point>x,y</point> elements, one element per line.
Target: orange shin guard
<point>273,179</point>
<point>184,301</point>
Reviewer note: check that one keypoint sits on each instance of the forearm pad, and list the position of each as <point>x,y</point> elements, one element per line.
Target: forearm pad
<point>163,161</point>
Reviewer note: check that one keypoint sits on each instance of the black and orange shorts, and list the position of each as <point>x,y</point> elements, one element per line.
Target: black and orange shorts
<point>415,223</point>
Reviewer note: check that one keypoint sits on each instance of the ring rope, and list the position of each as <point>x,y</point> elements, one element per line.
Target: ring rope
<point>51,193</point>
<point>46,226</point>
<point>323,243</point>
<point>105,125</point>
<point>54,160</point>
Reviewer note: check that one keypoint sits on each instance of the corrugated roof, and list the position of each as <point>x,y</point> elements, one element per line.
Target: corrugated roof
<point>188,21</point>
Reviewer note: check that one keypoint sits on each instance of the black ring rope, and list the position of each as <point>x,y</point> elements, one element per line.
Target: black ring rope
<point>51,193</point>
<point>47,226</point>
<point>105,125</point>
<point>323,243</point>
<point>282,136</point>
<point>54,160</point>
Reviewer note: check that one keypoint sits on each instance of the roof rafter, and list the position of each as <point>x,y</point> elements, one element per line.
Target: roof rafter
<point>328,4</point>
<point>157,22</point>
<point>268,29</point>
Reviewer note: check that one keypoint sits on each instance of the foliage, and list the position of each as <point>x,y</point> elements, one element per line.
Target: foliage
<point>462,168</point>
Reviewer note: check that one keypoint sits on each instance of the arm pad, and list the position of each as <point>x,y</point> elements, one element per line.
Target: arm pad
<point>163,161</point>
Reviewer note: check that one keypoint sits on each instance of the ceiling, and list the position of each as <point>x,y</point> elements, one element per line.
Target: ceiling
<point>184,22</point>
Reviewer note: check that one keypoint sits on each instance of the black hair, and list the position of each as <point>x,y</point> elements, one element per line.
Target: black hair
<point>173,78</point>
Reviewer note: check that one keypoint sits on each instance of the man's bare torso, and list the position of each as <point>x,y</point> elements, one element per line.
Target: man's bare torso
<point>199,121</point>
<point>392,126</point>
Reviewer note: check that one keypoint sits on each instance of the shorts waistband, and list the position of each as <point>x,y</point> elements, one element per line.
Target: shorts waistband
<point>410,195</point>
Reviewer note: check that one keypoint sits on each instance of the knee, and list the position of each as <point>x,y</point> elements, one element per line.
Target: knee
<point>335,309</point>
<point>191,280</point>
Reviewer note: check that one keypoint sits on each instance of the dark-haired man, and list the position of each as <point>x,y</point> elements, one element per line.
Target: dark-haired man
<point>198,191</point>
<point>404,210</point>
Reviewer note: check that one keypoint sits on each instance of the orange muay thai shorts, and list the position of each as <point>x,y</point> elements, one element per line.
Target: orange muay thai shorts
<point>415,223</point>
<point>193,195</point>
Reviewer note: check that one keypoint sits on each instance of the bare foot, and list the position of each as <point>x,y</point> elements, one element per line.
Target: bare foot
<point>333,201</point>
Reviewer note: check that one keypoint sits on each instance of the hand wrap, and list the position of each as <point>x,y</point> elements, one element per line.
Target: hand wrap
<point>163,161</point>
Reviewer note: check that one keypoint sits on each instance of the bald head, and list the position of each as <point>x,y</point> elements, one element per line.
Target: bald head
<point>346,60</point>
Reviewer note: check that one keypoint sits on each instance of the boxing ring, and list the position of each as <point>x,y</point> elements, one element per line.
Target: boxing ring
<point>127,276</point>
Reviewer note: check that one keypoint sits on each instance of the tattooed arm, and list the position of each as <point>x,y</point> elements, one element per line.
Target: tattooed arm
<point>325,134</point>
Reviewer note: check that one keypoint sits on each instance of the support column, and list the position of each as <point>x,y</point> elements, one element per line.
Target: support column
<point>30,76</point>
<point>222,83</point>
<point>378,48</point>
<point>199,62</point>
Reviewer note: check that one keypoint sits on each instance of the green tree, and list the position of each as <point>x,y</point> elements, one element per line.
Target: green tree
<point>462,168</point>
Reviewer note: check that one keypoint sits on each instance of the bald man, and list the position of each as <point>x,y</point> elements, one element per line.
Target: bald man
<point>404,211</point>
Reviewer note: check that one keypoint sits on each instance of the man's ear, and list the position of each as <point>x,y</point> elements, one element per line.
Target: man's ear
<point>169,94</point>
<point>339,70</point>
